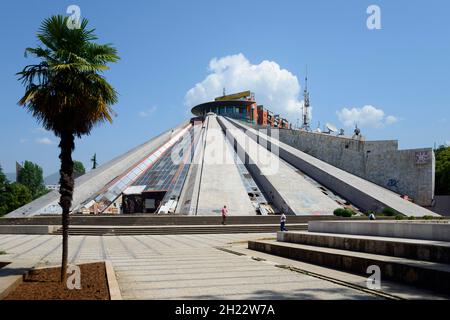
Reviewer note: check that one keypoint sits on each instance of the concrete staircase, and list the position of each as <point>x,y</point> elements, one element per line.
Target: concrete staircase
<point>163,220</point>
<point>180,229</point>
<point>420,263</point>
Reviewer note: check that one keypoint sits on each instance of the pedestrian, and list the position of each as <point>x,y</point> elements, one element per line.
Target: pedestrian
<point>224,215</point>
<point>283,222</point>
<point>371,216</point>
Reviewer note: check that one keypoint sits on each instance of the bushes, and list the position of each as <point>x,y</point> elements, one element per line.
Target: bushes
<point>389,212</point>
<point>341,212</point>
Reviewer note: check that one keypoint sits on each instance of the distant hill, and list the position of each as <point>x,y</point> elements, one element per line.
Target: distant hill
<point>52,179</point>
<point>11,176</point>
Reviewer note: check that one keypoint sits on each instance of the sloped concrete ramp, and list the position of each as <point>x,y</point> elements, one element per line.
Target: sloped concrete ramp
<point>287,189</point>
<point>220,181</point>
<point>364,194</point>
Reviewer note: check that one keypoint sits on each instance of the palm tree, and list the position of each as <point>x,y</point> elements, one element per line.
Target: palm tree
<point>67,93</point>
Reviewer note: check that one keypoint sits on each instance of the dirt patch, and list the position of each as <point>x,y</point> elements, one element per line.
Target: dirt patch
<point>44,284</point>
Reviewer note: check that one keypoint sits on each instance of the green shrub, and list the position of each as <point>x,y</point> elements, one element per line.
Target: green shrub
<point>411,218</point>
<point>389,212</point>
<point>428,217</point>
<point>398,217</point>
<point>341,212</point>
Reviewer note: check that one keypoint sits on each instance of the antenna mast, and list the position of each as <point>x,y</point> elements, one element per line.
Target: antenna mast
<point>305,110</point>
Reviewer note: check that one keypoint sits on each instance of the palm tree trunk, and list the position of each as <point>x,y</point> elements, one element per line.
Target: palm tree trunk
<point>66,182</point>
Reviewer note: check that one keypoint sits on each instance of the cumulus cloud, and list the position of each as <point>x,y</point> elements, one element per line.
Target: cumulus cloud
<point>45,141</point>
<point>276,88</point>
<point>365,116</point>
<point>147,113</point>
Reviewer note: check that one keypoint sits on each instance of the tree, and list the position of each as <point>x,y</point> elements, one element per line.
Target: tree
<point>14,196</point>
<point>78,169</point>
<point>31,176</point>
<point>68,94</point>
<point>94,161</point>
<point>442,171</point>
<point>3,180</point>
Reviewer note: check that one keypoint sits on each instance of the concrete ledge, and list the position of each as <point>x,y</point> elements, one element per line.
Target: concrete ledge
<point>430,275</point>
<point>11,276</point>
<point>394,229</point>
<point>405,248</point>
<point>113,285</point>
<point>27,229</point>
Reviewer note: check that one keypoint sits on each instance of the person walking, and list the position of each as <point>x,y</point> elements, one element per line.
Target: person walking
<point>224,215</point>
<point>283,222</point>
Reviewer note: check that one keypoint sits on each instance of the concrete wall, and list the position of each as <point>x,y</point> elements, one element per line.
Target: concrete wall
<point>409,172</point>
<point>394,229</point>
<point>441,205</point>
<point>27,229</point>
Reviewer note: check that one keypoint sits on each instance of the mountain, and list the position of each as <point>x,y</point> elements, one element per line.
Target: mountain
<point>52,179</point>
<point>11,176</point>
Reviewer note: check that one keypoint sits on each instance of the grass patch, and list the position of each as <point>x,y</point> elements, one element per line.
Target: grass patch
<point>2,252</point>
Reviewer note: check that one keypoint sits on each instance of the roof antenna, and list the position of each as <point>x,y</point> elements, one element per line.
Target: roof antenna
<point>305,111</point>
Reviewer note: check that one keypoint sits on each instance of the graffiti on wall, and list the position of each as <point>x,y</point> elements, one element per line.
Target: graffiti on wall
<point>422,157</point>
<point>393,184</point>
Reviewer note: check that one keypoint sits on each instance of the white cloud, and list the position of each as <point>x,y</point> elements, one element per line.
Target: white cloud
<point>276,88</point>
<point>45,141</point>
<point>366,116</point>
<point>391,120</point>
<point>147,113</point>
<point>23,140</point>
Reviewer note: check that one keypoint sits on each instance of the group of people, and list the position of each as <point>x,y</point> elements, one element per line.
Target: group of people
<point>282,218</point>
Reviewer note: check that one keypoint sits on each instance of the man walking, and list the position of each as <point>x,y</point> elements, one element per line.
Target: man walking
<point>283,222</point>
<point>224,214</point>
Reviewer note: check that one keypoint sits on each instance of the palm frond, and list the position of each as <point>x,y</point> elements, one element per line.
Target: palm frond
<point>66,90</point>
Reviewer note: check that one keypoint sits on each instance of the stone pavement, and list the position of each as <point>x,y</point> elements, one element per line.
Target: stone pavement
<point>179,266</point>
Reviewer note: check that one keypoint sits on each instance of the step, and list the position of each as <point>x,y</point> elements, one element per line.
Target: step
<point>216,229</point>
<point>437,251</point>
<point>165,220</point>
<point>425,274</point>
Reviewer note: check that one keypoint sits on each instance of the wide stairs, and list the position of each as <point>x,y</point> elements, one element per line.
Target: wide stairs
<point>187,229</point>
<point>421,263</point>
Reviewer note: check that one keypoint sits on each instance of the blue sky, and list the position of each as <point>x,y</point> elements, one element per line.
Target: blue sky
<point>166,47</point>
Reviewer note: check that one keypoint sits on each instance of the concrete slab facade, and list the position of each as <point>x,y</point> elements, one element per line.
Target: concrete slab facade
<point>93,181</point>
<point>288,190</point>
<point>364,194</point>
<point>220,183</point>
<point>408,171</point>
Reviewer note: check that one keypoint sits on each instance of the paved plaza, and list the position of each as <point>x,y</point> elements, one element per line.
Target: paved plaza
<point>180,266</point>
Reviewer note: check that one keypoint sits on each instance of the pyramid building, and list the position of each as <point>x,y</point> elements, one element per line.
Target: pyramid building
<point>236,153</point>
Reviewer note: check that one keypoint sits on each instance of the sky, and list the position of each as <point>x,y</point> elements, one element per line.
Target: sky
<point>392,81</point>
